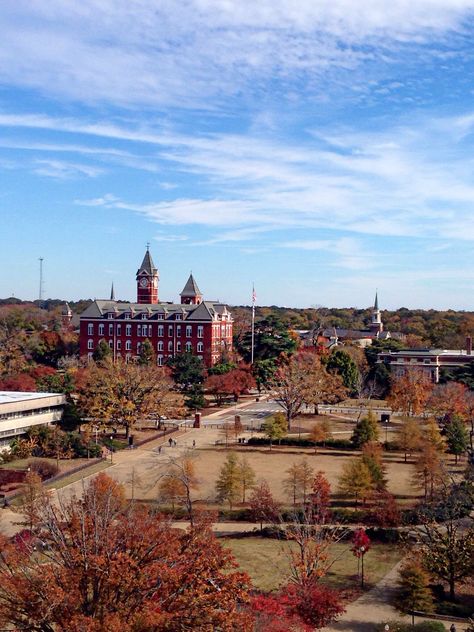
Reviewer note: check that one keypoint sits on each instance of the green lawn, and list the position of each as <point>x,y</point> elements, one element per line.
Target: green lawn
<point>265,560</point>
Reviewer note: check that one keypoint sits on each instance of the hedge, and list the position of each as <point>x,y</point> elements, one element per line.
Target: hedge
<point>422,626</point>
<point>341,444</point>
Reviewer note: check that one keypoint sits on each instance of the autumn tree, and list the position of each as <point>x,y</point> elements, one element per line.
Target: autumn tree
<point>448,399</point>
<point>365,430</point>
<point>112,565</point>
<point>320,386</point>
<point>263,506</point>
<point>102,352</point>
<point>320,432</point>
<point>247,476</point>
<point>320,498</point>
<point>355,480</point>
<point>447,547</point>
<point>385,511</point>
<point>341,363</point>
<point>429,469</point>
<point>146,355</point>
<point>32,498</point>
<point>187,371</point>
<point>360,546</point>
<point>372,457</point>
<point>229,482</point>
<point>275,427</point>
<point>413,589</point>
<point>298,481</point>
<point>123,393</point>
<point>410,392</point>
<point>409,436</point>
<point>178,481</point>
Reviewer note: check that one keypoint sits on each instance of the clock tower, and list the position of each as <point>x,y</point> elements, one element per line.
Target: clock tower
<point>147,281</point>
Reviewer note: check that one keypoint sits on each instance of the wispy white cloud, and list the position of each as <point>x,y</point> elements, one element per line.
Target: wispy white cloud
<point>62,169</point>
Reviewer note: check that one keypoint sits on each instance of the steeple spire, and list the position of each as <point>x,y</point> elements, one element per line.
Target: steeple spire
<point>376,304</point>
<point>191,294</point>
<point>112,292</point>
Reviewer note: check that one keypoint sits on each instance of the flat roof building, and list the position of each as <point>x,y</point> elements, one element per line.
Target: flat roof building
<point>20,411</point>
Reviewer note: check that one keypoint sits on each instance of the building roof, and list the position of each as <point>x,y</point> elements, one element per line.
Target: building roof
<point>147,265</point>
<point>10,397</point>
<point>191,289</point>
<point>207,310</point>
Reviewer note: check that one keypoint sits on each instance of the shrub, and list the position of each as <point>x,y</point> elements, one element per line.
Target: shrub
<point>45,469</point>
<point>422,626</point>
<point>341,444</point>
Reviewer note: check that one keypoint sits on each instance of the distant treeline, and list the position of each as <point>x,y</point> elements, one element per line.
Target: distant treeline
<point>433,328</point>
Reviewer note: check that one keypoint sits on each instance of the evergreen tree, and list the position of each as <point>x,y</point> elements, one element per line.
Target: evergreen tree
<point>146,356</point>
<point>366,430</point>
<point>275,427</point>
<point>341,362</point>
<point>457,436</point>
<point>355,479</point>
<point>229,483</point>
<point>102,352</point>
<point>187,371</point>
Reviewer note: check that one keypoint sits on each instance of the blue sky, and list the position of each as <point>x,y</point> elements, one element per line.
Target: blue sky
<point>319,148</point>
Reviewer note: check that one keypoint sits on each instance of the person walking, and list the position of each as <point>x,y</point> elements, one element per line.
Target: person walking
<point>452,628</point>
<point>170,441</point>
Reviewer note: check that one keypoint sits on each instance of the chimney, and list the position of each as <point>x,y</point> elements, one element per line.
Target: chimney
<point>469,345</point>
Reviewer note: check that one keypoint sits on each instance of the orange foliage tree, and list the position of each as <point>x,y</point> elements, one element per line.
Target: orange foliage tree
<point>112,565</point>
<point>409,393</point>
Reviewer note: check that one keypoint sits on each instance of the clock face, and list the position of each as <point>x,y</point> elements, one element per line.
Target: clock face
<point>144,282</point>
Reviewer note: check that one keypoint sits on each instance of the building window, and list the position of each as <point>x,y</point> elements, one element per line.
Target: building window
<point>170,330</point>
<point>189,347</point>
<point>119,345</point>
<point>127,316</point>
<point>144,316</point>
<point>189,331</point>
<point>159,346</point>
<point>128,345</point>
<point>178,316</point>
<point>128,330</point>
<point>170,345</point>
<point>90,329</point>
<point>139,346</point>
<point>119,330</point>
<point>128,357</point>
<point>200,331</point>
<point>178,346</point>
<point>149,331</point>
<point>161,330</point>
<point>160,316</point>
<point>90,344</point>
<point>111,344</point>
<point>101,329</point>
<point>200,347</point>
<point>111,329</point>
<point>160,360</point>
<point>178,330</point>
<point>89,356</point>
<point>110,315</point>
<point>139,330</point>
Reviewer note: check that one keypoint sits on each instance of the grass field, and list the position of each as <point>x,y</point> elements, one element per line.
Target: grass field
<point>266,561</point>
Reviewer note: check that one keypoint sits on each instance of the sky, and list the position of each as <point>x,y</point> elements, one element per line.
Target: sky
<point>319,149</point>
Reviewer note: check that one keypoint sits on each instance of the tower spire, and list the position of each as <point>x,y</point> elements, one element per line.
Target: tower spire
<point>376,303</point>
<point>112,292</point>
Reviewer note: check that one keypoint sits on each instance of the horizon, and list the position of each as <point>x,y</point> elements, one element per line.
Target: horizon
<point>320,151</point>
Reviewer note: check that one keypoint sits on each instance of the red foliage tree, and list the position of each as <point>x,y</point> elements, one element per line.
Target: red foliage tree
<point>320,498</point>
<point>19,382</point>
<point>112,565</point>
<point>360,545</point>
<point>263,507</point>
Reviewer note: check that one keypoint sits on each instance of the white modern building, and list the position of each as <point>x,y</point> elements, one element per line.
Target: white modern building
<point>20,411</point>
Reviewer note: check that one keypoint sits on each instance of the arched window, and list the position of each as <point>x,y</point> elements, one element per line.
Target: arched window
<point>90,329</point>
<point>159,346</point>
<point>160,330</point>
<point>200,347</point>
<point>189,347</point>
<point>159,360</point>
<point>128,345</point>
<point>170,345</point>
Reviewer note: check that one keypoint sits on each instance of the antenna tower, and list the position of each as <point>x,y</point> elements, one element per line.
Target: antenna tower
<point>40,295</point>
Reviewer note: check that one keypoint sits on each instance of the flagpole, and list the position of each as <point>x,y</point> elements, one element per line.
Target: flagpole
<point>253,323</point>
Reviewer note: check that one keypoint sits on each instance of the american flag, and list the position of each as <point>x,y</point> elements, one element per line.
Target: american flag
<point>254,295</point>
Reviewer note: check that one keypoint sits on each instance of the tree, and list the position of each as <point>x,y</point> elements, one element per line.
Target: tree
<point>428,469</point>
<point>320,386</point>
<point>179,481</point>
<point>385,512</point>
<point>217,385</point>
<point>365,430</point>
<point>341,363</point>
<point>263,507</point>
<point>272,339</point>
<point>410,392</point>
<point>432,435</point>
<point>372,457</point>
<point>229,483</point>
<point>102,352</point>
<point>320,498</point>
<point>247,476</point>
<point>360,545</point>
<point>315,604</point>
<point>32,497</point>
<point>298,481</point>
<point>447,548</point>
<point>187,371</point>
<point>112,565</point>
<point>413,589</point>
<point>355,480</point>
<point>289,387</point>
<point>457,436</point>
<point>121,393</point>
<point>320,432</point>
<point>409,435</point>
<point>146,355</point>
<point>448,399</point>
<point>264,373</point>
<point>275,427</point>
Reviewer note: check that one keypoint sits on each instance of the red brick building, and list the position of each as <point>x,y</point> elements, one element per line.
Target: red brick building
<point>201,327</point>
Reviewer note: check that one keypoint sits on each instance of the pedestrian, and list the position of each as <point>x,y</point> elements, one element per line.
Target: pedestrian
<point>159,449</point>
<point>452,628</point>
<point>170,441</point>
<point>194,443</point>
<point>175,443</point>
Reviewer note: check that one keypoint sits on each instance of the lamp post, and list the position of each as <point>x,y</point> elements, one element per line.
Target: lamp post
<point>362,553</point>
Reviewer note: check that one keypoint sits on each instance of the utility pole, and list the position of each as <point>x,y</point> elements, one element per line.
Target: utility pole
<point>254,298</point>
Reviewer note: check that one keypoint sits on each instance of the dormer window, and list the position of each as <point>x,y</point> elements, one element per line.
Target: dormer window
<point>178,317</point>
<point>110,315</point>
<point>144,316</point>
<point>161,316</point>
<point>127,315</point>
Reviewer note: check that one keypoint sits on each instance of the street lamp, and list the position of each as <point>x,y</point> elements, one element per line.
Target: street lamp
<point>362,551</point>
<point>387,628</point>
